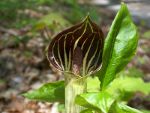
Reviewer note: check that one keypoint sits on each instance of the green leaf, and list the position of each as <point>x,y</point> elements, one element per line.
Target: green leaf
<point>119,47</point>
<point>122,108</point>
<point>128,84</point>
<point>100,102</point>
<point>54,21</point>
<point>49,92</point>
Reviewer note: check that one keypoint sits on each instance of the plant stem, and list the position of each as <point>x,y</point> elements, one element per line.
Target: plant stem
<point>73,87</point>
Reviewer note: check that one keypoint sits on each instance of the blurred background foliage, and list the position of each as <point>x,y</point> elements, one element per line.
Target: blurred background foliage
<point>18,11</point>
<point>26,28</point>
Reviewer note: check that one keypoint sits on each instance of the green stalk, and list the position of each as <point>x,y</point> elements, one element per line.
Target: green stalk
<point>73,87</point>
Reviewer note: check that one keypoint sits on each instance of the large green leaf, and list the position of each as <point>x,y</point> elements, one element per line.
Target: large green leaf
<point>122,87</point>
<point>128,84</point>
<point>100,102</point>
<point>49,92</point>
<point>119,47</point>
<point>122,108</point>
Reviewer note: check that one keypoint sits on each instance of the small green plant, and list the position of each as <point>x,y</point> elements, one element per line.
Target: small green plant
<point>81,51</point>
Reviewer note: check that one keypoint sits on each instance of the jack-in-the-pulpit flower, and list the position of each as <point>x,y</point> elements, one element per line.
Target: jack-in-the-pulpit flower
<point>77,52</point>
<point>78,49</point>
